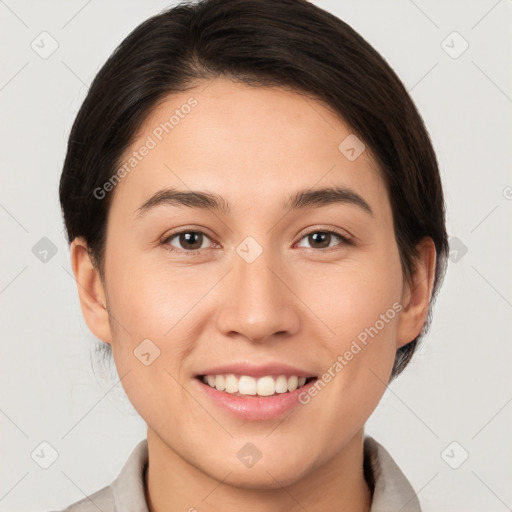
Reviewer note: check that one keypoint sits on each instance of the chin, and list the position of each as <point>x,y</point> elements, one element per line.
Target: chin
<point>262,477</point>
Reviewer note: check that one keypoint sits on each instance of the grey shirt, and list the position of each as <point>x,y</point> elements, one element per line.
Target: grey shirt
<point>391,490</point>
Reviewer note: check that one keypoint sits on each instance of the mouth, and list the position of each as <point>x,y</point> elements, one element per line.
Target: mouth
<point>248,386</point>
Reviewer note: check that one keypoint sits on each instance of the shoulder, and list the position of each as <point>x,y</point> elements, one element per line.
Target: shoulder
<point>100,500</point>
<point>391,489</point>
<point>125,492</point>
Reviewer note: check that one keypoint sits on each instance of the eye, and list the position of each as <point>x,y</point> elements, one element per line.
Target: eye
<point>188,241</point>
<point>324,239</point>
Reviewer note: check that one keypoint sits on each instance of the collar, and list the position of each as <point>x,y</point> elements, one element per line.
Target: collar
<point>392,492</point>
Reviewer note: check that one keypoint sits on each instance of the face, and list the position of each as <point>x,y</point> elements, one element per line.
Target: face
<point>270,275</point>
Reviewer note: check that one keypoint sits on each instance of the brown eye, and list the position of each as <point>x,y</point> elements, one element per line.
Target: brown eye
<point>319,240</point>
<point>187,240</point>
<point>323,239</point>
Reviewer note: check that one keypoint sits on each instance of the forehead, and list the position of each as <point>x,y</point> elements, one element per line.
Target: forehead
<point>244,142</point>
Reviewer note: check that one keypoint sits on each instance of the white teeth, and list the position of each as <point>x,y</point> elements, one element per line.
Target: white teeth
<point>281,384</point>
<point>231,384</point>
<point>220,383</point>
<point>266,386</point>
<point>246,385</point>
<point>293,382</point>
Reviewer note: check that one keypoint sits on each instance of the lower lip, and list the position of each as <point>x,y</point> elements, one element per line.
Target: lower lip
<point>253,407</point>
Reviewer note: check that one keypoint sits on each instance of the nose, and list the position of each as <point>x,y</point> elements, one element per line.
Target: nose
<point>258,302</point>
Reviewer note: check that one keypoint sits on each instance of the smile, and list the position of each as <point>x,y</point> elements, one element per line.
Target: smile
<point>245,385</point>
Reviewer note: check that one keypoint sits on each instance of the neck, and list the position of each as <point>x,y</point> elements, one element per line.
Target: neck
<point>173,484</point>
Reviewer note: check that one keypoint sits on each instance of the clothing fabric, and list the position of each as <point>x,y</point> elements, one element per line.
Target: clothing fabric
<point>392,492</point>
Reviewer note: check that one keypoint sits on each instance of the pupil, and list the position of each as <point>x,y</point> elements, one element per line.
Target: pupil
<point>188,239</point>
<point>320,238</point>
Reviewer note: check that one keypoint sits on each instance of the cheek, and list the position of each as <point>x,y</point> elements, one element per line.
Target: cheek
<point>353,295</point>
<point>360,302</point>
<point>361,306</point>
<point>148,314</point>
<point>153,334</point>
<point>150,300</point>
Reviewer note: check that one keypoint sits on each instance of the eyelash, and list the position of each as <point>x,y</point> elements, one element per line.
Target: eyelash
<point>195,252</point>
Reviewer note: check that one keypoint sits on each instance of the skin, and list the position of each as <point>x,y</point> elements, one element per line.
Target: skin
<point>297,303</point>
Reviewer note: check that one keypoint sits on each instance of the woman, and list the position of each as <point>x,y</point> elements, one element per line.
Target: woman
<point>257,232</point>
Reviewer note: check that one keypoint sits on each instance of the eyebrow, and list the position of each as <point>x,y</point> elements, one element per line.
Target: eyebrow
<point>301,200</point>
<point>326,196</point>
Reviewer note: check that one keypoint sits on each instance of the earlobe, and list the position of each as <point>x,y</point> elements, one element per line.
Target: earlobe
<point>416,296</point>
<point>90,291</point>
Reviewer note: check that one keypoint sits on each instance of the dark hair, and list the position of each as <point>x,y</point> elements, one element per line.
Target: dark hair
<point>287,43</point>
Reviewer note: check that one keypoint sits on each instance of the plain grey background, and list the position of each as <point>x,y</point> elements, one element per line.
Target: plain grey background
<point>446,420</point>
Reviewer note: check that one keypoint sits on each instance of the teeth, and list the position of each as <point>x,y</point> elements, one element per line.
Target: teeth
<point>246,385</point>
<point>281,384</point>
<point>219,382</point>
<point>231,384</point>
<point>267,386</point>
<point>293,383</point>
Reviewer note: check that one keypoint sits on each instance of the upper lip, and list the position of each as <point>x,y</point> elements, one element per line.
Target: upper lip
<point>245,368</point>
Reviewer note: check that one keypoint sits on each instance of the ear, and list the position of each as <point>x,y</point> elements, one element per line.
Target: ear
<point>90,291</point>
<point>416,297</point>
